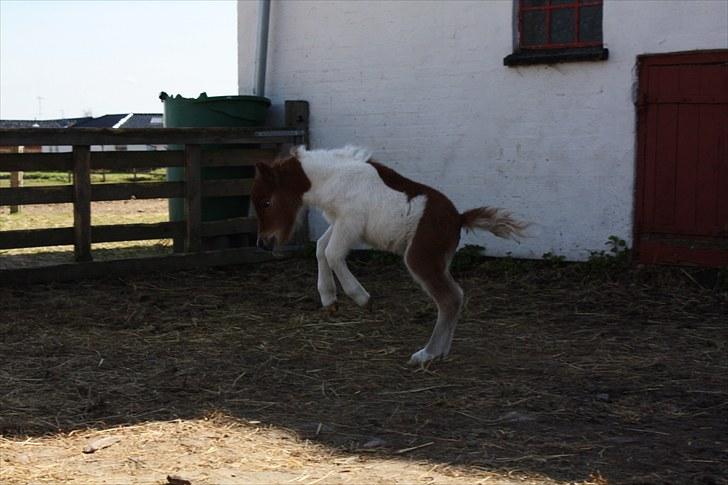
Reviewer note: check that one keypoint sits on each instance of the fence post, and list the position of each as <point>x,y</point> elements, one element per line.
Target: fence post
<point>193,198</point>
<point>82,202</point>
<point>16,180</point>
<point>296,116</point>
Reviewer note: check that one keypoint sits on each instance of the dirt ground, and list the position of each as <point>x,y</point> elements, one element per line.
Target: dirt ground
<point>559,374</point>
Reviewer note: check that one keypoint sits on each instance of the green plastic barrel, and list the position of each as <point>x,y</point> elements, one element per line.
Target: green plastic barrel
<point>214,111</point>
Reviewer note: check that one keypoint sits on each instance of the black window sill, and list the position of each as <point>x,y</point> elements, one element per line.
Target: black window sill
<point>553,56</point>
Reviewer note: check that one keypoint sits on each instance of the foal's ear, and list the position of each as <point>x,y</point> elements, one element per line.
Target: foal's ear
<point>266,172</point>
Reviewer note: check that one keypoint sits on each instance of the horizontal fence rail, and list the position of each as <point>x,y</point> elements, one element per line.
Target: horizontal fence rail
<point>193,149</point>
<point>126,160</point>
<point>61,236</point>
<point>123,191</point>
<point>146,136</point>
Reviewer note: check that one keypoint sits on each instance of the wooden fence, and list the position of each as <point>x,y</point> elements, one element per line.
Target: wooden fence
<point>264,144</point>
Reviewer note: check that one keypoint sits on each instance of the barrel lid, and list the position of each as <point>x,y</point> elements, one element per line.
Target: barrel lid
<point>204,98</point>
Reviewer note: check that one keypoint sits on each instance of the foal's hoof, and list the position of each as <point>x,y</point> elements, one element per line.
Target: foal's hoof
<point>421,357</point>
<point>330,309</point>
<point>363,299</point>
<point>369,307</point>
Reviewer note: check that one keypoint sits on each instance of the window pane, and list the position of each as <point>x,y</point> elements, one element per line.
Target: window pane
<point>563,26</point>
<point>534,28</point>
<point>590,24</point>
<point>533,3</point>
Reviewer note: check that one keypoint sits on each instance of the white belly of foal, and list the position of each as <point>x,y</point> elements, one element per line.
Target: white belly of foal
<point>391,223</point>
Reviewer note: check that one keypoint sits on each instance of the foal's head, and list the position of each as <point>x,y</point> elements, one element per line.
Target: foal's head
<point>277,197</point>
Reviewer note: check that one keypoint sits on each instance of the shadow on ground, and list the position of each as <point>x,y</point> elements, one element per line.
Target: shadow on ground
<point>555,371</point>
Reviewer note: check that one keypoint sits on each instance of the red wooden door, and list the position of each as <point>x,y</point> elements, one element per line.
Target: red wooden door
<point>681,213</point>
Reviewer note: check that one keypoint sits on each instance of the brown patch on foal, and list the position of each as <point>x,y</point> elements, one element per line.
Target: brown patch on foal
<point>277,196</point>
<point>429,254</point>
<point>438,232</point>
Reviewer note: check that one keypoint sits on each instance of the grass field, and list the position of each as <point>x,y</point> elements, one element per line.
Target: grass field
<point>61,215</point>
<point>35,179</point>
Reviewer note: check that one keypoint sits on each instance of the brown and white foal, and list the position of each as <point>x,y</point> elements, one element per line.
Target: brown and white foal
<point>366,201</point>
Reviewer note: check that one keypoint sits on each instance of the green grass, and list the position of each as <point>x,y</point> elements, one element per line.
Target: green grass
<point>102,213</point>
<point>35,179</point>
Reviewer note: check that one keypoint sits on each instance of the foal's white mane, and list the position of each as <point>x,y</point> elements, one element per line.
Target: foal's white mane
<point>349,153</point>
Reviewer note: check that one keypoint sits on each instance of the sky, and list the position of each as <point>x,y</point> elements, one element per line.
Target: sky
<point>74,58</point>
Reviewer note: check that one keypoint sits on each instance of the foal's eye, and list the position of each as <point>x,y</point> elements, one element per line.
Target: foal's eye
<point>266,204</point>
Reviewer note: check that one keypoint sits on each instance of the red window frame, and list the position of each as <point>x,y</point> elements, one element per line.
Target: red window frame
<point>548,8</point>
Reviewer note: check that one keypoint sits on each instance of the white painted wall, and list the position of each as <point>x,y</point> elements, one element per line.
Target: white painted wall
<point>424,86</point>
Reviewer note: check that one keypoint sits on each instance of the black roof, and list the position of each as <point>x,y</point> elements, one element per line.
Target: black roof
<point>105,121</point>
<point>59,123</point>
<point>123,120</point>
<point>144,120</point>
<point>136,120</point>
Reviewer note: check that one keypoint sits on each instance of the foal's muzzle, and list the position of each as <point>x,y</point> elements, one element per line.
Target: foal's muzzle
<point>266,243</point>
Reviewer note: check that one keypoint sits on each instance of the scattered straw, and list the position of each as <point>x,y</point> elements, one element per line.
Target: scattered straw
<point>237,376</point>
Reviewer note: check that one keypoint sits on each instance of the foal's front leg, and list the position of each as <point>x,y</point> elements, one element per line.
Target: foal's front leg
<point>343,238</point>
<point>326,284</point>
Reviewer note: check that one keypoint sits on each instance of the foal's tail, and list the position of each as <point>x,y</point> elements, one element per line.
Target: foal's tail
<point>495,220</point>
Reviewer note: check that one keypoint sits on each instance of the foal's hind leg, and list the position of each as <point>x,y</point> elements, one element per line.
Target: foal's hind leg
<point>326,284</point>
<point>432,272</point>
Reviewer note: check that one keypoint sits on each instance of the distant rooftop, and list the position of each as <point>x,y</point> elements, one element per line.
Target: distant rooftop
<point>60,123</point>
<point>123,120</point>
<point>105,121</point>
<point>144,120</point>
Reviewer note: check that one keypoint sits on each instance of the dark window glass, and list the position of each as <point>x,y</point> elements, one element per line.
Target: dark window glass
<point>534,28</point>
<point>590,24</point>
<point>563,26</point>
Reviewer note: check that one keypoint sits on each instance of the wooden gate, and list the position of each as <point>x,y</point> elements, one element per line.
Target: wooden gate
<point>681,213</point>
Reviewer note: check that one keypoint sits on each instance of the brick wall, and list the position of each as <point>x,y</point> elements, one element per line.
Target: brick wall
<point>423,85</point>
